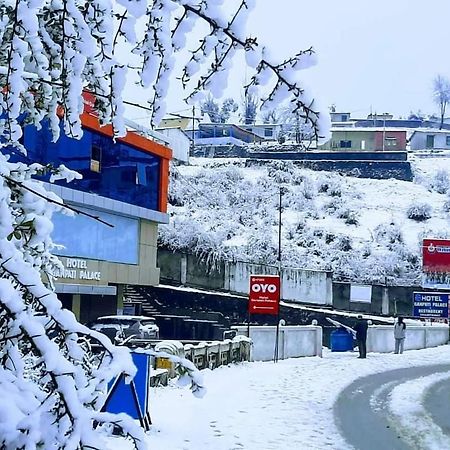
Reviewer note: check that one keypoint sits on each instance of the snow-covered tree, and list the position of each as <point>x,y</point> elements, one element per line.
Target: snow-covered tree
<point>441,95</point>
<point>218,113</point>
<point>249,108</point>
<point>229,106</point>
<point>211,107</point>
<point>50,53</point>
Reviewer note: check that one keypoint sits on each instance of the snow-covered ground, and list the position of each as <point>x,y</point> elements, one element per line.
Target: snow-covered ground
<point>256,406</point>
<point>358,228</point>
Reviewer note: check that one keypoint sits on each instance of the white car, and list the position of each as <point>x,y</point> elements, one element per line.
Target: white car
<point>124,327</point>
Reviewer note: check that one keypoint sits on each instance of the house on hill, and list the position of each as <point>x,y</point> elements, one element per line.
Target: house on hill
<point>429,138</point>
<point>366,139</point>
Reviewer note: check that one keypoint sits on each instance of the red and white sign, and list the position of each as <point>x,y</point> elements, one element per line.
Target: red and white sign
<point>436,255</point>
<point>264,296</point>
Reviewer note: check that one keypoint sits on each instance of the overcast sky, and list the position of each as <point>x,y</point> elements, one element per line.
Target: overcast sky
<point>382,54</point>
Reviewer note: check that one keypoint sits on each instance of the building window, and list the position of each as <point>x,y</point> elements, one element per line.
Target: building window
<point>390,142</point>
<point>96,158</point>
<point>430,141</point>
<point>345,144</point>
<point>447,141</point>
<point>268,132</point>
<point>344,118</point>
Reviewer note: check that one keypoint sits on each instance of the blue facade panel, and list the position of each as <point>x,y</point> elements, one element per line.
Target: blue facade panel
<point>111,169</point>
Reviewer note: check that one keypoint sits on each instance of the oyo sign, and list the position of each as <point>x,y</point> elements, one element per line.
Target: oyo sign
<point>264,296</point>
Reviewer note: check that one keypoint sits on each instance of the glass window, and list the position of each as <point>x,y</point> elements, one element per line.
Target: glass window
<point>268,132</point>
<point>430,141</point>
<point>112,169</point>
<point>346,144</point>
<point>447,140</point>
<point>83,237</point>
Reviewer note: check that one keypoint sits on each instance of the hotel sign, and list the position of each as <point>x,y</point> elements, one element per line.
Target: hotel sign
<point>77,269</point>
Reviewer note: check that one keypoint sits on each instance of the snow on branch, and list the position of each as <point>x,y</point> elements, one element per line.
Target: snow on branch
<point>52,51</point>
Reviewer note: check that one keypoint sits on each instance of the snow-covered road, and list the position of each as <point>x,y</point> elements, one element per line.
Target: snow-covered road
<point>255,406</point>
<point>386,410</point>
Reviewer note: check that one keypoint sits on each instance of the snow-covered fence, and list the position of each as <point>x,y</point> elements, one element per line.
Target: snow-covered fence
<point>380,338</point>
<point>214,354</point>
<point>294,341</point>
<point>308,286</point>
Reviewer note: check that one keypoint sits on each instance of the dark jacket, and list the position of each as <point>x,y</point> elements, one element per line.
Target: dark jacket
<point>361,329</point>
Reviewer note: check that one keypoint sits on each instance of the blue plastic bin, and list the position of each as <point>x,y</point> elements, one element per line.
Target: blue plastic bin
<point>341,340</point>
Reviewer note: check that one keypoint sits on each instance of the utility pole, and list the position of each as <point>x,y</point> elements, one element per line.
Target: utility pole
<point>193,131</point>
<point>279,230</point>
<point>275,356</point>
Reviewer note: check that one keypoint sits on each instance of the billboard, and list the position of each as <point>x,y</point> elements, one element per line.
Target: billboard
<point>264,295</point>
<point>436,255</point>
<point>430,304</point>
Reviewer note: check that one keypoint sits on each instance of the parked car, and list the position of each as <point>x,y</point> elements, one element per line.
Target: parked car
<point>126,327</point>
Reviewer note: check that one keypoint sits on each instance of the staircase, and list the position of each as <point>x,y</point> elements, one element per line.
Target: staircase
<point>175,321</point>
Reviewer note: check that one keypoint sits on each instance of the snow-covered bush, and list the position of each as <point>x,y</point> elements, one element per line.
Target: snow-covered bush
<point>388,233</point>
<point>349,215</point>
<point>419,211</point>
<point>440,181</point>
<point>446,205</point>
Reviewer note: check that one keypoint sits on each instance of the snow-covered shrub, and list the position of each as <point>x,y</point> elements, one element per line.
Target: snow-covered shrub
<point>419,211</point>
<point>308,188</point>
<point>446,205</point>
<point>333,205</point>
<point>344,243</point>
<point>349,215</point>
<point>335,188</point>
<point>388,233</point>
<point>440,181</point>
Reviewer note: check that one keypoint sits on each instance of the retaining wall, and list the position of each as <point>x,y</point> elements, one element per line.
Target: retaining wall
<point>297,341</point>
<point>306,286</point>
<point>380,338</point>
<point>294,341</point>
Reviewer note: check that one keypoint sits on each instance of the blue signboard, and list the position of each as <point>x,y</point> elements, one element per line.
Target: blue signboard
<point>431,304</point>
<point>122,399</point>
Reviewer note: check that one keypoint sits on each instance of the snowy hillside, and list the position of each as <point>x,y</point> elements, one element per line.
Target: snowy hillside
<point>361,229</point>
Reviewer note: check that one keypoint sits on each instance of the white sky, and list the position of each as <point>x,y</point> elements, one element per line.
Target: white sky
<point>382,54</point>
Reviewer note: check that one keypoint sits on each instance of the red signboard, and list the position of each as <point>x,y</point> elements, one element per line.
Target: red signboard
<point>436,255</point>
<point>264,297</point>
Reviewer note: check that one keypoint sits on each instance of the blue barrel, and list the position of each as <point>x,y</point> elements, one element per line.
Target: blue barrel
<point>341,340</point>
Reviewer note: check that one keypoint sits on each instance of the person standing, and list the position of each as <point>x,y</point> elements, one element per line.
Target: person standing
<point>361,335</point>
<point>399,335</point>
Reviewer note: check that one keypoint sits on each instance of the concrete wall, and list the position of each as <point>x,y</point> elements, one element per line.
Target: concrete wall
<point>306,286</point>
<point>387,300</point>
<point>399,136</point>
<point>296,285</point>
<point>294,341</point>
<point>380,338</point>
<point>297,341</point>
<point>356,138</point>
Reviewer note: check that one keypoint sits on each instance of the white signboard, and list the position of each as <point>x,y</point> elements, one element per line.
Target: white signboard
<point>360,293</point>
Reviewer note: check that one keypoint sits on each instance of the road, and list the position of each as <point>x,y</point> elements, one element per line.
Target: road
<point>362,409</point>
